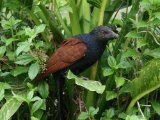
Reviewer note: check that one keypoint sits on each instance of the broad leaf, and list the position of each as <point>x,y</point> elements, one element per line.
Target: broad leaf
<point>107,72</point>
<point>23,47</point>
<point>4,86</point>
<point>130,53</point>
<point>40,28</point>
<point>1,94</point>
<point>19,70</point>
<point>112,62</point>
<point>10,40</point>
<point>88,84</point>
<point>24,59</point>
<point>43,89</point>
<point>119,81</point>
<point>154,53</point>
<point>133,34</point>
<point>37,105</point>
<point>33,70</point>
<point>83,116</point>
<point>110,95</point>
<point>9,108</point>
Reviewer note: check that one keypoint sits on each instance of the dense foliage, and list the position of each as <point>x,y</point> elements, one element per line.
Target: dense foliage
<point>124,84</point>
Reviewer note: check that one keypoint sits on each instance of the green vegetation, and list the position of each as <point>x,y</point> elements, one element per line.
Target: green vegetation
<point>123,85</point>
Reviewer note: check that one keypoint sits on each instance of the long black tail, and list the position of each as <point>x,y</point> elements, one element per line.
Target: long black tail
<point>59,91</point>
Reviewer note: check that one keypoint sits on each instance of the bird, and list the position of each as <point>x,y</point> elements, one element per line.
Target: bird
<point>76,53</point>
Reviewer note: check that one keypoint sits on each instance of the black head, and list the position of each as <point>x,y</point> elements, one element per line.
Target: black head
<point>104,33</point>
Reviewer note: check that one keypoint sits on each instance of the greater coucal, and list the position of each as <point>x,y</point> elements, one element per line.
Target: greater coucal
<point>77,54</point>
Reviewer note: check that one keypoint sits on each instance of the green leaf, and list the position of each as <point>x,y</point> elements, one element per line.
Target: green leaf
<point>24,59</point>
<point>33,70</point>
<point>124,64</point>
<point>154,53</point>
<point>34,118</point>
<point>32,33</point>
<point>10,40</point>
<point>4,86</point>
<point>2,51</point>
<point>3,74</point>
<point>30,95</point>
<point>107,72</point>
<point>43,89</point>
<point>156,107</point>
<point>112,62</point>
<point>110,113</point>
<point>1,94</point>
<point>40,28</point>
<point>11,55</point>
<point>39,114</point>
<point>36,98</point>
<point>141,43</point>
<point>142,24</point>
<point>133,34</point>
<point>10,23</point>
<point>23,47</point>
<point>92,111</point>
<point>130,53</point>
<point>19,70</point>
<point>122,115</point>
<point>110,95</point>
<point>83,116</point>
<point>88,84</point>
<point>157,15</point>
<point>119,81</point>
<point>9,108</point>
<point>37,105</point>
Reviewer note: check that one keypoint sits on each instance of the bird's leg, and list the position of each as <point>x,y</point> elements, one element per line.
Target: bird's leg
<point>59,90</point>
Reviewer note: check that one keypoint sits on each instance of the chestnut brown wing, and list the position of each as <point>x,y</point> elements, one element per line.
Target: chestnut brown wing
<point>69,52</point>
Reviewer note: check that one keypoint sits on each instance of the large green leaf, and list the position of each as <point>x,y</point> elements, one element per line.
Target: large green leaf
<point>43,89</point>
<point>9,108</point>
<point>110,95</point>
<point>37,105</point>
<point>4,86</point>
<point>24,59</point>
<point>19,70</point>
<point>88,84</point>
<point>154,53</point>
<point>33,70</point>
<point>133,34</point>
<point>23,47</point>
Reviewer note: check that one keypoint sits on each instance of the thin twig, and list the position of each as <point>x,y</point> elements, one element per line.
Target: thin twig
<point>139,108</point>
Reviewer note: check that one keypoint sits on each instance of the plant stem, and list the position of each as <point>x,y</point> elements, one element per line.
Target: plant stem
<point>76,29</point>
<point>105,3</point>
<point>85,10</point>
<point>135,99</point>
<point>57,12</point>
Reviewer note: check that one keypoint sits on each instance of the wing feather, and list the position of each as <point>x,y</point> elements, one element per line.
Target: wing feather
<point>69,52</point>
